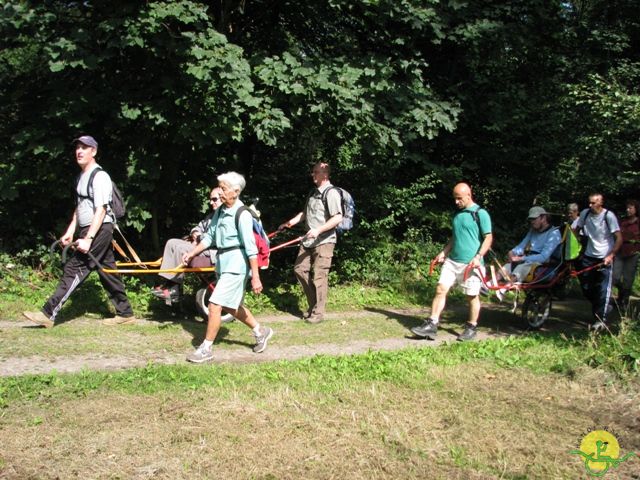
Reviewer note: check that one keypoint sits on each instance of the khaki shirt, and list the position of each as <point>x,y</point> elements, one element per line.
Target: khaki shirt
<point>315,215</point>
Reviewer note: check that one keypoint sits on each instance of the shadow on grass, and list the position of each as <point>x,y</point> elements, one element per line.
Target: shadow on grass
<point>89,299</point>
<point>406,320</point>
<point>185,314</point>
<point>286,302</point>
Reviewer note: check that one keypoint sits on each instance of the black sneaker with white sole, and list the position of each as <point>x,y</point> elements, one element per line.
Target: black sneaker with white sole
<point>428,329</point>
<point>469,333</point>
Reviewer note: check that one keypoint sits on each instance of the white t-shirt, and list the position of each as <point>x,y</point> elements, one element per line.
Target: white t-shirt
<point>102,191</point>
<point>601,238</point>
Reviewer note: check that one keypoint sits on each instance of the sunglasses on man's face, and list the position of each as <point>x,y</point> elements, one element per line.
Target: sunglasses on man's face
<point>214,199</point>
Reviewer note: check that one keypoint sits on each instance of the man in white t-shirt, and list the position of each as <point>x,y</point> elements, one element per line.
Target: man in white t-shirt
<point>93,221</point>
<point>599,227</point>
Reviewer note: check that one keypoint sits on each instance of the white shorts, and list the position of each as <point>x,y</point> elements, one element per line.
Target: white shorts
<point>453,273</point>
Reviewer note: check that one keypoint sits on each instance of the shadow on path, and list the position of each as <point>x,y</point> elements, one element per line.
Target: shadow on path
<point>570,316</point>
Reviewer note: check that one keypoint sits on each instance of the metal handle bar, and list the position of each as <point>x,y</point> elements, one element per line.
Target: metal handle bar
<point>584,270</point>
<point>65,250</point>
<point>432,265</point>
<point>74,245</point>
<point>287,244</point>
<point>53,247</point>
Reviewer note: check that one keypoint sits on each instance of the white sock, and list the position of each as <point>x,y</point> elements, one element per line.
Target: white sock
<point>257,329</point>
<point>207,343</point>
<point>435,321</point>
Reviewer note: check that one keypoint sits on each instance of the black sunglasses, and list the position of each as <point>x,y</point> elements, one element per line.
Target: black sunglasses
<point>214,199</point>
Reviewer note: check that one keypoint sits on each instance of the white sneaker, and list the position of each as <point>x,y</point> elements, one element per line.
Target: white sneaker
<point>202,354</point>
<point>500,294</point>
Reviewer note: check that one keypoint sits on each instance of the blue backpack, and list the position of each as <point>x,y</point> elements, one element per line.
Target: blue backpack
<point>347,205</point>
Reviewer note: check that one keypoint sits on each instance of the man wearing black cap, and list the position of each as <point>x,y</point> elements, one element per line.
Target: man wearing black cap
<point>95,220</point>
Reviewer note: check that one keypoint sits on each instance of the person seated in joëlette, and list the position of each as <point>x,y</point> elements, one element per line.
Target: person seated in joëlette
<point>175,248</point>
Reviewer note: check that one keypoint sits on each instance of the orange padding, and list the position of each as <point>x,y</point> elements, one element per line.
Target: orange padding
<point>155,263</point>
<point>155,271</point>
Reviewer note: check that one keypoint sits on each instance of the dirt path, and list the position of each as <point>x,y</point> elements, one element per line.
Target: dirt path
<point>13,366</point>
<point>71,364</point>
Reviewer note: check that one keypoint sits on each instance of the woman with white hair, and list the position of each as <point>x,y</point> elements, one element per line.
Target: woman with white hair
<point>236,261</point>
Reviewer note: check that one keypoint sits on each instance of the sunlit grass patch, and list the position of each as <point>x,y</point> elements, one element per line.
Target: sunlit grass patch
<point>445,417</point>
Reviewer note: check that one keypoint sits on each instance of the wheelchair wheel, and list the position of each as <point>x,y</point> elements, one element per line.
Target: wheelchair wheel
<point>536,309</point>
<point>202,306</point>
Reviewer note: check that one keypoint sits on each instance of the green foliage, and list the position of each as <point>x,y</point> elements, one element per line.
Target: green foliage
<point>390,264</point>
<point>22,284</point>
<point>177,91</point>
<point>619,353</point>
<point>530,102</point>
<point>612,106</point>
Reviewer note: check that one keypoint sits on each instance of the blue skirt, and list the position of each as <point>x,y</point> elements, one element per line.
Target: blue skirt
<point>229,290</point>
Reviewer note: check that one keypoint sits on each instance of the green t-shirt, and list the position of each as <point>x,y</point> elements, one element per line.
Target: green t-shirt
<point>467,237</point>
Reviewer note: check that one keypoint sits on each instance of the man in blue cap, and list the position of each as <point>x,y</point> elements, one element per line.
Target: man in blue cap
<point>94,218</point>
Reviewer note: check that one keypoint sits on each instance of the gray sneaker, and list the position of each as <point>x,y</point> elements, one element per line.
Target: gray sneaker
<point>261,340</point>
<point>201,355</point>
<point>468,334</point>
<point>598,327</point>
<point>427,330</point>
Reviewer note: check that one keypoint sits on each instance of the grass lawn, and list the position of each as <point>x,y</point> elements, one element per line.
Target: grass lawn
<point>511,407</point>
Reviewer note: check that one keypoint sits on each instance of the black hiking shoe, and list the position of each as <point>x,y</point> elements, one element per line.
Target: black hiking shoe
<point>427,330</point>
<point>468,334</point>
